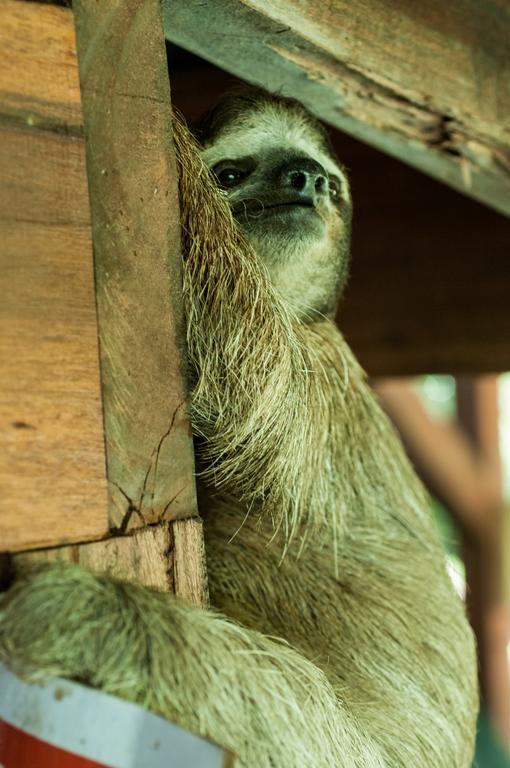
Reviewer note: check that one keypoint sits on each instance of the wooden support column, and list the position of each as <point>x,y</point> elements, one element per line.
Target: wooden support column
<point>136,235</point>
<point>149,530</point>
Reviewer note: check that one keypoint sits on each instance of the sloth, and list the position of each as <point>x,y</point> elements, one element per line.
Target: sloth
<point>349,571</point>
<point>335,638</point>
<point>317,530</point>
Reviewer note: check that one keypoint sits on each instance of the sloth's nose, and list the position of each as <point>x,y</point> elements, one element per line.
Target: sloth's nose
<point>304,176</point>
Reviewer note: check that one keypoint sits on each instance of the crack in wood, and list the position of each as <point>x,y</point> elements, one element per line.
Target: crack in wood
<point>128,514</point>
<point>392,111</point>
<point>169,504</point>
<point>153,467</point>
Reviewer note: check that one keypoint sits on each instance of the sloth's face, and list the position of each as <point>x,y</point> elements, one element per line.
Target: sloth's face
<point>289,196</point>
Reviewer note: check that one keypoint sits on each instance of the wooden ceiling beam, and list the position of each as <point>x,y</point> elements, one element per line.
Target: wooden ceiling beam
<point>428,83</point>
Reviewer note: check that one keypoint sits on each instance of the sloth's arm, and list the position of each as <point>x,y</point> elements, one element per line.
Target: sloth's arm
<point>255,695</point>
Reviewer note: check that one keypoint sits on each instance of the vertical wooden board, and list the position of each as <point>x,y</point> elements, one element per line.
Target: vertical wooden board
<point>188,561</point>
<point>52,467</point>
<point>52,470</point>
<point>136,232</point>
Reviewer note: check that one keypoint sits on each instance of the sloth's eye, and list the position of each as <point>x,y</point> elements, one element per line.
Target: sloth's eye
<point>334,189</point>
<point>229,177</point>
<point>230,173</point>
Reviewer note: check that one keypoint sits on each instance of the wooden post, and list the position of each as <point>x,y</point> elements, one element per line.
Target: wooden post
<point>136,235</point>
<point>478,413</point>
<point>150,531</point>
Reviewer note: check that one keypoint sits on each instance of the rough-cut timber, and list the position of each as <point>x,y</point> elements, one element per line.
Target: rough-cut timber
<point>52,468</point>
<point>188,561</point>
<point>143,558</point>
<point>52,465</point>
<point>157,557</point>
<point>136,234</point>
<point>169,557</point>
<point>427,82</point>
<point>39,82</point>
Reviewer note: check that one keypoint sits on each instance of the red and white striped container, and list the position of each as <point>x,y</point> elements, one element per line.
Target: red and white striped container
<point>60,724</point>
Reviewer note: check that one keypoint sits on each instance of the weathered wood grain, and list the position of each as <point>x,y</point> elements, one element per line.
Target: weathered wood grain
<point>428,83</point>
<point>188,561</point>
<point>52,467</point>
<point>39,82</point>
<point>142,558</point>
<point>44,181</point>
<point>136,233</point>
<point>168,557</point>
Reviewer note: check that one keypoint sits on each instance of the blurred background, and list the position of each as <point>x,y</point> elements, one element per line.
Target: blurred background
<point>457,432</point>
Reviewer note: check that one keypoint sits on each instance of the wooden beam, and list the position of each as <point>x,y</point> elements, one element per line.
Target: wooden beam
<point>52,468</point>
<point>429,281</point>
<point>136,233</point>
<point>142,558</point>
<point>49,380</point>
<point>187,561</point>
<point>169,557</point>
<point>478,414</point>
<point>428,83</point>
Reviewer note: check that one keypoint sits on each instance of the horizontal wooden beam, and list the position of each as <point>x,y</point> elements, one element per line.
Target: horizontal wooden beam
<point>428,82</point>
<point>169,557</point>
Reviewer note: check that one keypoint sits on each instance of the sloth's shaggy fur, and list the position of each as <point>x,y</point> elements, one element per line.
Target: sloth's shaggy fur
<point>317,532</point>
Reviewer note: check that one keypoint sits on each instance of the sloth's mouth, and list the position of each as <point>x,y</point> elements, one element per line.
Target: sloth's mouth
<point>291,204</point>
<point>255,208</point>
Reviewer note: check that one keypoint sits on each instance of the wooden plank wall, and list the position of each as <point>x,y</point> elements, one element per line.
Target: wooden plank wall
<point>126,485</point>
<point>52,467</point>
